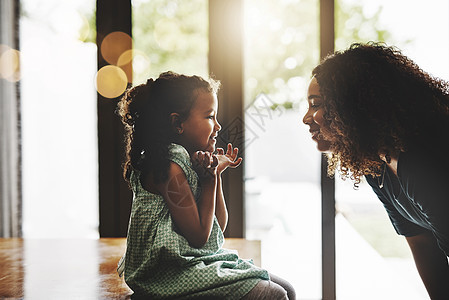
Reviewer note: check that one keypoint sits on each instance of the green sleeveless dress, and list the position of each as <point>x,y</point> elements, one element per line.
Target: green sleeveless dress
<point>159,262</point>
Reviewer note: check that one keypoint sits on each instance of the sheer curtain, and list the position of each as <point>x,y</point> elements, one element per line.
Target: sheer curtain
<point>10,182</point>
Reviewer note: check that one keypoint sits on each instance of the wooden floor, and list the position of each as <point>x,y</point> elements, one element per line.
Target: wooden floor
<point>74,269</point>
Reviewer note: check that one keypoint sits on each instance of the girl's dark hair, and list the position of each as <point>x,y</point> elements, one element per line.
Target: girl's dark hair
<point>145,111</point>
<point>378,101</point>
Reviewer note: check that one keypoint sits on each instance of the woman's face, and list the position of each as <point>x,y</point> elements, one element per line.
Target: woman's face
<point>314,116</point>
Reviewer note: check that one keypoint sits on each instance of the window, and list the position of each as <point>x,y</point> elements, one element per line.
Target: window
<point>170,36</point>
<point>59,129</point>
<point>282,166</point>
<point>379,260</point>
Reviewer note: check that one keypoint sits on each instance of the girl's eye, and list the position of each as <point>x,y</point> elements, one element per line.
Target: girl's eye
<point>211,117</point>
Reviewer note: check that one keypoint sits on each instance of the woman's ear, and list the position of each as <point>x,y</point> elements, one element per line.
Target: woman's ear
<point>176,123</point>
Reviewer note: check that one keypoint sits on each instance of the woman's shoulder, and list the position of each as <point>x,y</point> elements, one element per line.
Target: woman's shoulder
<point>423,165</point>
<point>424,156</point>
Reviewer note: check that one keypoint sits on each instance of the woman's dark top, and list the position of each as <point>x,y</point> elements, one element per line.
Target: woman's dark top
<point>417,200</point>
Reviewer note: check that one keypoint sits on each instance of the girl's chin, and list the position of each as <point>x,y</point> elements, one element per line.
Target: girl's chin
<point>210,148</point>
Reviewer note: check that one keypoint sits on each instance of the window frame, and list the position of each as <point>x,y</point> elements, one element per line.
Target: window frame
<point>10,131</point>
<point>225,46</point>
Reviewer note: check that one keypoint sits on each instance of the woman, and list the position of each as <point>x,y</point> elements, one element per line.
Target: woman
<point>378,115</point>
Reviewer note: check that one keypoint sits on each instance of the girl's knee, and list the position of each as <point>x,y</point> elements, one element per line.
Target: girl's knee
<point>267,290</point>
<point>291,293</point>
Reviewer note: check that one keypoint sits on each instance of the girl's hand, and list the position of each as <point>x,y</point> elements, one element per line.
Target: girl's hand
<point>205,164</point>
<point>228,159</point>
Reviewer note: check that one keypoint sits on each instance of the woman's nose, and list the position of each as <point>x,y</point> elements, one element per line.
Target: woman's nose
<point>307,119</point>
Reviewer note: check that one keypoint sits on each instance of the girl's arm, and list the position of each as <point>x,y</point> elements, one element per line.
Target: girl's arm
<point>194,222</point>
<point>225,160</point>
<point>432,265</point>
<point>221,212</point>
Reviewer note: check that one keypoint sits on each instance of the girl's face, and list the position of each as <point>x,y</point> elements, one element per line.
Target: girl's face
<point>314,116</point>
<point>199,131</point>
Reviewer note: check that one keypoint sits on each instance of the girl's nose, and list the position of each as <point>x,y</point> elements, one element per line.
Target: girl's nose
<point>217,126</point>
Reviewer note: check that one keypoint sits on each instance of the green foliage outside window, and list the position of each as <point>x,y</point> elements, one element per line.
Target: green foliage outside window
<point>281,41</point>
<point>173,34</point>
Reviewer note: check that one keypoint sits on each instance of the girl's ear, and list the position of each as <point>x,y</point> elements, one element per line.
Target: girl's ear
<point>176,123</point>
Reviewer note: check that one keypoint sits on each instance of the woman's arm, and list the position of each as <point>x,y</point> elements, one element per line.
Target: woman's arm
<point>432,265</point>
<point>423,177</point>
<point>194,222</point>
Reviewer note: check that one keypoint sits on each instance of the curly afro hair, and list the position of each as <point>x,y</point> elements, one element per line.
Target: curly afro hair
<point>377,101</point>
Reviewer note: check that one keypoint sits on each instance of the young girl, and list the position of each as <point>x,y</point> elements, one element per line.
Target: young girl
<point>175,234</point>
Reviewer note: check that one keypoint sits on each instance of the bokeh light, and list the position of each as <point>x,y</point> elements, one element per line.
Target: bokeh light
<point>167,34</point>
<point>111,81</point>
<point>290,63</point>
<point>84,28</point>
<point>140,63</point>
<point>125,58</point>
<point>114,45</point>
<point>9,63</point>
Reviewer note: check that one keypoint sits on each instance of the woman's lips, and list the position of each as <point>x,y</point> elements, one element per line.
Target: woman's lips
<point>315,133</point>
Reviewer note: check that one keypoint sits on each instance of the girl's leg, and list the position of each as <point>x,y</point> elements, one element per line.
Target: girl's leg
<point>274,289</point>
<point>266,290</point>
<point>286,285</point>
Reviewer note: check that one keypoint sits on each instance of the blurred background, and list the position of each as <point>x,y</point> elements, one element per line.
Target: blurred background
<point>59,82</point>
